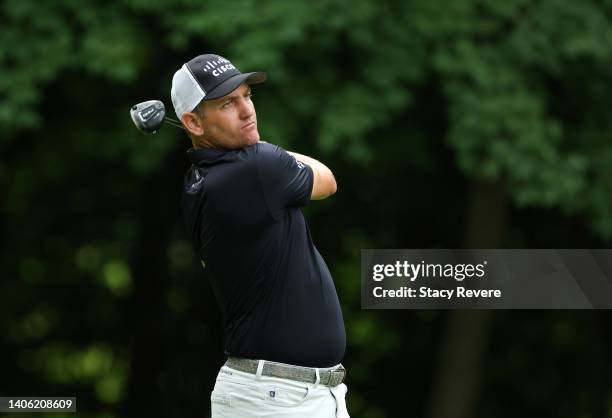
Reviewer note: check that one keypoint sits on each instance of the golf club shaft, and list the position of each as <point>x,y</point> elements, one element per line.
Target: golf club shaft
<point>173,122</point>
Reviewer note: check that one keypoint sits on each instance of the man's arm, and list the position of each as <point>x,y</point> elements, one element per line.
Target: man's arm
<point>324,182</point>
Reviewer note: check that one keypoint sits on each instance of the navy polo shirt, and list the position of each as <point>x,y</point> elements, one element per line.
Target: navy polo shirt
<point>276,294</point>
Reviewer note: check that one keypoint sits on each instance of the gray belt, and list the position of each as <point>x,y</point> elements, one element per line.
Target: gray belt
<point>329,377</point>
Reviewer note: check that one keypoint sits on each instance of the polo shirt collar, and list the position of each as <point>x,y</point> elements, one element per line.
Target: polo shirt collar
<point>199,155</point>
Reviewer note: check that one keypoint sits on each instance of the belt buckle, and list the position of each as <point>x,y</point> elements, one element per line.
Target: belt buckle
<point>340,372</point>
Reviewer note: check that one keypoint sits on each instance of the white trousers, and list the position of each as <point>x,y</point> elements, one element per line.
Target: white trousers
<point>239,395</point>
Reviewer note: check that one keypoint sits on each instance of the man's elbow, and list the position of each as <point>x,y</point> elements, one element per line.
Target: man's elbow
<point>325,186</point>
<point>333,186</point>
<point>330,185</point>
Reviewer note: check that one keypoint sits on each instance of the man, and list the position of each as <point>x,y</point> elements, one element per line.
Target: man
<point>284,332</point>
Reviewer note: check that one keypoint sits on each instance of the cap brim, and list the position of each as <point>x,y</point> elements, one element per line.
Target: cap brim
<point>234,82</point>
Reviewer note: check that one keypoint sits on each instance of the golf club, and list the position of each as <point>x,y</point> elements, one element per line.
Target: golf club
<point>148,117</point>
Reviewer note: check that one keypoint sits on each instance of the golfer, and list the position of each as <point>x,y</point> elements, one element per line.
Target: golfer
<point>284,332</point>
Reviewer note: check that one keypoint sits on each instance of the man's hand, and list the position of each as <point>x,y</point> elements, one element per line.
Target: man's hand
<point>324,183</point>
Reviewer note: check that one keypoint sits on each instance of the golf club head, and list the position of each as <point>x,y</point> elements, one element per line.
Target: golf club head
<point>148,116</point>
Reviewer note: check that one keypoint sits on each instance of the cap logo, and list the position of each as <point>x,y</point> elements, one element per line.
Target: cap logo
<point>218,66</point>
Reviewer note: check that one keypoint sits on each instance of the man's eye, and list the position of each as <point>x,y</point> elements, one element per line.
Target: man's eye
<point>226,104</point>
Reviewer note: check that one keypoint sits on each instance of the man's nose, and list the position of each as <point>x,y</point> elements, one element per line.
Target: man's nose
<point>246,108</point>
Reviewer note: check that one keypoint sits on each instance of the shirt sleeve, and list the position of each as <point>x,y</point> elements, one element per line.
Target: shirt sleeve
<point>285,181</point>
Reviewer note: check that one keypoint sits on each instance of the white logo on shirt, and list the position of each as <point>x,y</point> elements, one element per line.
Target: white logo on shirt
<point>199,180</point>
<point>197,184</point>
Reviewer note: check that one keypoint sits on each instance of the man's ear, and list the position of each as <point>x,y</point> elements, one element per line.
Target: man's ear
<point>193,123</point>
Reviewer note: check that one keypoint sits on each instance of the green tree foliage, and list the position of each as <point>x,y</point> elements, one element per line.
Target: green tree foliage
<point>343,73</point>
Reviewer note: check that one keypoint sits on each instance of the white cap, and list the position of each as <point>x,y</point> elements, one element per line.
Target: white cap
<point>186,92</point>
<point>207,77</point>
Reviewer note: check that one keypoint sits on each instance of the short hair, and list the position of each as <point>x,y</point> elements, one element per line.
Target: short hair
<point>199,109</point>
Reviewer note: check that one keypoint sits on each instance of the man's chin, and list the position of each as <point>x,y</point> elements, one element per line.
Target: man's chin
<point>252,140</point>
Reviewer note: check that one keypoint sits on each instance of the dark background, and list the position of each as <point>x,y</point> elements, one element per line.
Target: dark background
<point>448,124</point>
